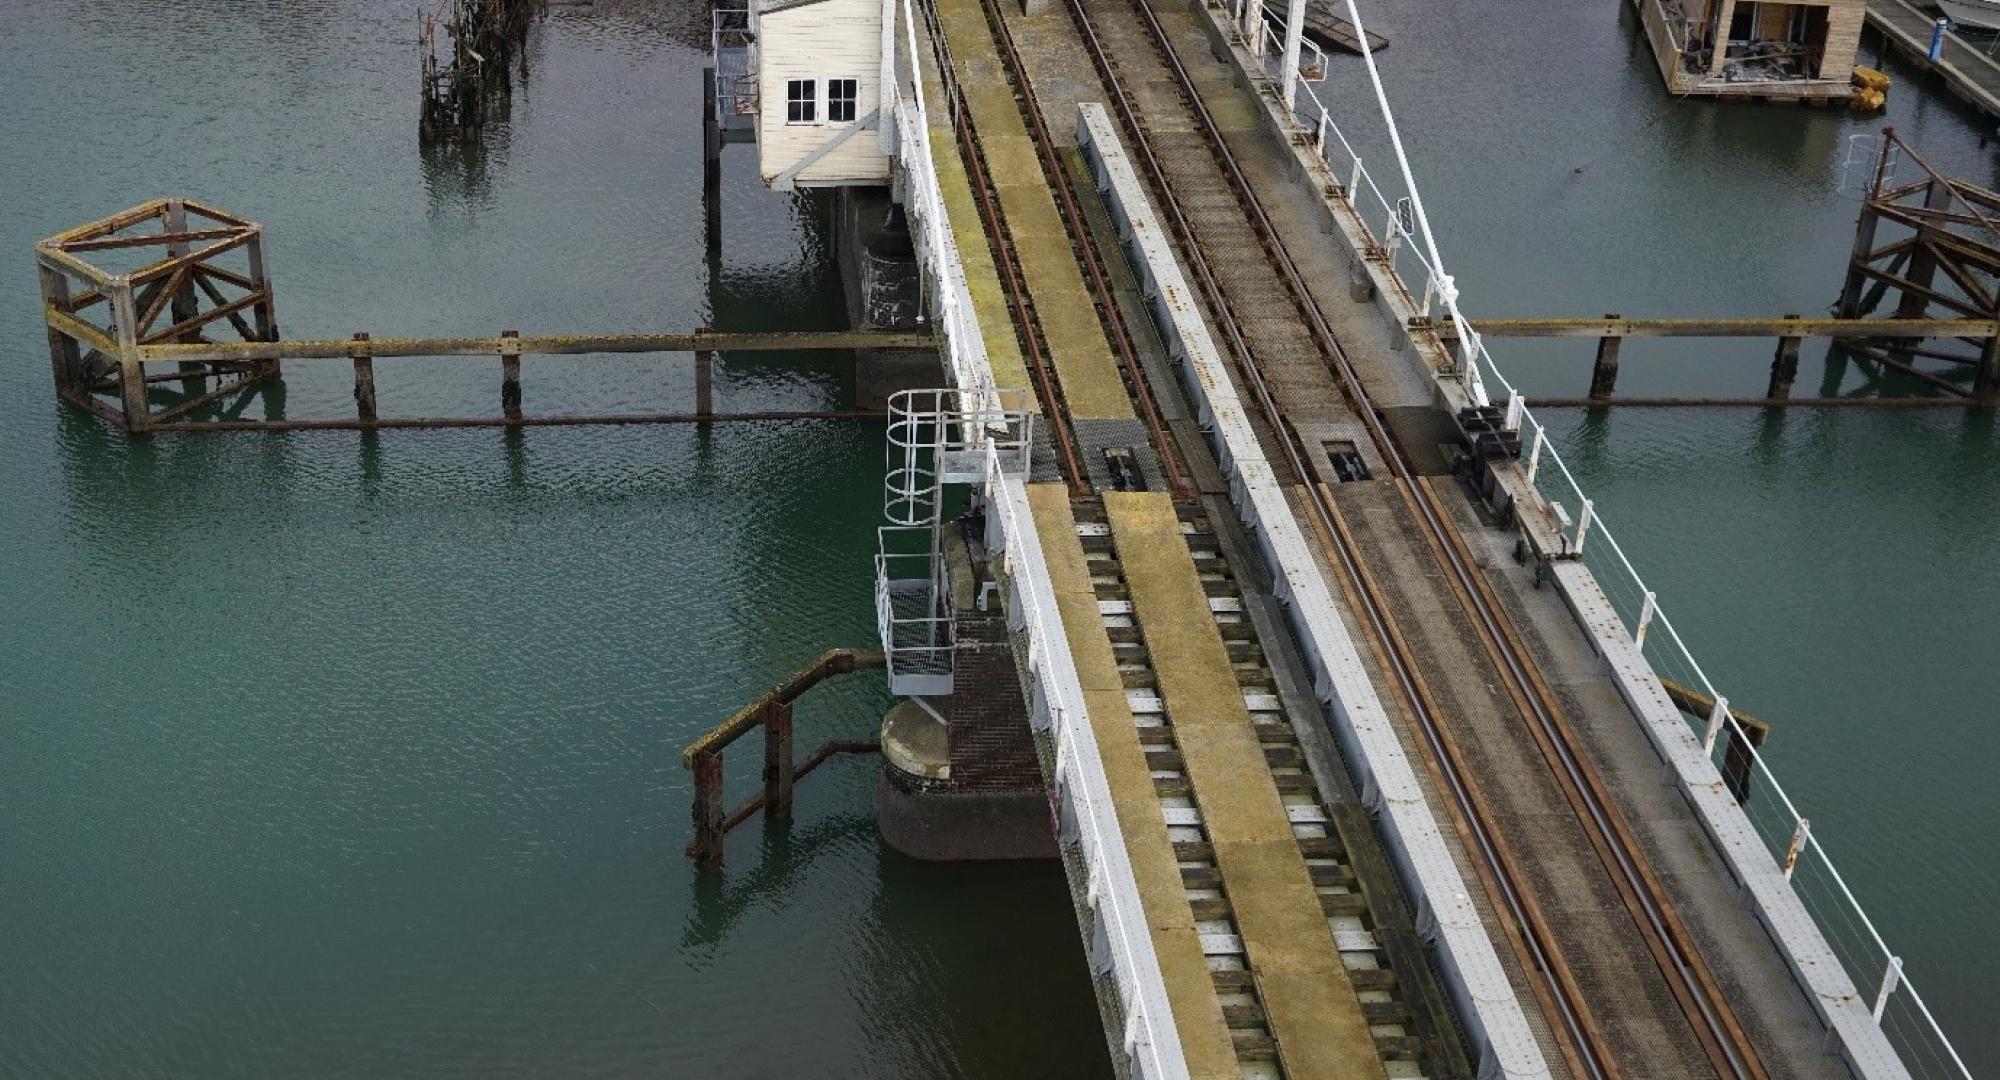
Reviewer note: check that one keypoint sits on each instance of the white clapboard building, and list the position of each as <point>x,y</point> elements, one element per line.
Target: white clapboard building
<point>810,73</point>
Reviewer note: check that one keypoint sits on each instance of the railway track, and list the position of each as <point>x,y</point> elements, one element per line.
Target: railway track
<point>1373,956</point>
<point>1260,305</point>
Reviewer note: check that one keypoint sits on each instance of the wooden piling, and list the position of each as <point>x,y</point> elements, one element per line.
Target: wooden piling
<point>778,764</point>
<point>131,370</point>
<point>1784,366</point>
<point>510,373</point>
<point>364,380</point>
<point>704,382</point>
<point>65,355</point>
<point>711,166</point>
<point>708,812</point>
<point>1604,375</point>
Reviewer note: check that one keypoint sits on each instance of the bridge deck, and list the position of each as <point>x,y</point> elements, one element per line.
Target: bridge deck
<point>1205,1038</point>
<point>1092,387</point>
<point>1308,1002</point>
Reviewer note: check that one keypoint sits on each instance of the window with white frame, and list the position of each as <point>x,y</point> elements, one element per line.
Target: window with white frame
<point>841,95</point>
<point>801,102</point>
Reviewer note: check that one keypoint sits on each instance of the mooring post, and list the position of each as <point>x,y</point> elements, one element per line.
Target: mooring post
<point>704,383</point>
<point>1784,367</point>
<point>364,379</point>
<point>707,846</point>
<point>131,370</point>
<point>1604,376</point>
<point>778,767</point>
<point>510,373</point>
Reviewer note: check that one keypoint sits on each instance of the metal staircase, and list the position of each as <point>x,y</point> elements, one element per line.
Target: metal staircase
<point>937,437</point>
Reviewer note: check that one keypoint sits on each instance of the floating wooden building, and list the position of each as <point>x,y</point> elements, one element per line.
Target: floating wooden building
<point>1763,51</point>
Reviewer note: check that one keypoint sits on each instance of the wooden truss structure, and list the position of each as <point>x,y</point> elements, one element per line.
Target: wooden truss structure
<point>1934,241</point>
<point>198,270</point>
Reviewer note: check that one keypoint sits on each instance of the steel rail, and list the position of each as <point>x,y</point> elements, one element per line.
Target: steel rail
<point>1722,1037</point>
<point>1017,294</point>
<point>1086,246</point>
<point>1538,953</point>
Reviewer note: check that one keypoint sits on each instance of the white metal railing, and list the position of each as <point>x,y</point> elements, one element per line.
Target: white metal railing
<point>1122,942</point>
<point>1082,790</point>
<point>1404,232</point>
<point>949,300</point>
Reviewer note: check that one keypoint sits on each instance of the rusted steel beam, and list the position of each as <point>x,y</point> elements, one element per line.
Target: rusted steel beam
<point>830,663</point>
<point>1746,328</point>
<point>826,752</point>
<point>525,421</point>
<point>550,345</point>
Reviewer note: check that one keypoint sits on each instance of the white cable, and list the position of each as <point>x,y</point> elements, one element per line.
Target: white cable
<point>1447,289</point>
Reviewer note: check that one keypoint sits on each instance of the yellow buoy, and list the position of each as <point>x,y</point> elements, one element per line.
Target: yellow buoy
<point>1868,78</point>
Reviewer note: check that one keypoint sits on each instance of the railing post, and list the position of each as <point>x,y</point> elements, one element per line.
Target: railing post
<point>1891,975</point>
<point>1516,406</point>
<point>1796,847</point>
<point>1354,182</point>
<point>510,373</point>
<point>708,813</point>
<point>1319,137</point>
<point>364,379</point>
<point>1535,453</point>
<point>1583,519</point>
<point>1646,610</point>
<point>1715,718</point>
<point>778,772</point>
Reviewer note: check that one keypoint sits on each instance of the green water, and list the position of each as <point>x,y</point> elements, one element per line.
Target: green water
<point>332,755</point>
<point>346,756</point>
